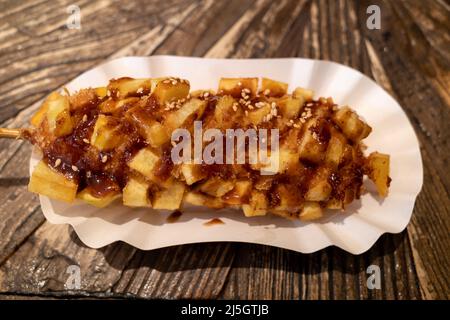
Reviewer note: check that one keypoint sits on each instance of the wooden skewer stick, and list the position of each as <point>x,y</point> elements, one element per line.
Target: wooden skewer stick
<point>10,133</point>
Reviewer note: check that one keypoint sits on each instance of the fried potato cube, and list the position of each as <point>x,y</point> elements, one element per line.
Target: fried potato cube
<point>287,161</point>
<point>101,92</point>
<point>335,150</point>
<point>99,202</point>
<point>153,131</point>
<point>334,204</point>
<point>58,115</point>
<point>107,133</point>
<point>145,162</point>
<point>287,199</point>
<point>216,187</point>
<point>191,109</point>
<point>257,205</point>
<point>135,193</point>
<point>239,194</point>
<point>290,107</point>
<point>319,189</point>
<point>234,86</point>
<point>49,182</point>
<point>302,93</point>
<point>310,149</point>
<point>378,164</point>
<point>311,211</point>
<point>170,90</point>
<point>351,125</point>
<point>192,173</point>
<point>224,110</point>
<point>125,87</point>
<point>257,116</point>
<point>111,106</point>
<point>273,88</point>
<point>170,198</point>
<point>200,199</point>
<point>39,116</point>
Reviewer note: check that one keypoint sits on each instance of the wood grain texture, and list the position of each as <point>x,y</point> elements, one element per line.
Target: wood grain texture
<point>408,57</point>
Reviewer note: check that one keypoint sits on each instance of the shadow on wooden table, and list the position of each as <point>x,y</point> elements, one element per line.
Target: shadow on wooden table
<point>247,256</point>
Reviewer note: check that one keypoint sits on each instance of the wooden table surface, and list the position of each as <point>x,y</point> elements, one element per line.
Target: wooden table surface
<point>409,57</point>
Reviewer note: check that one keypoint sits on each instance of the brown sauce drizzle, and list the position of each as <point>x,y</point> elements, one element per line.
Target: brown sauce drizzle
<point>213,222</point>
<point>174,216</point>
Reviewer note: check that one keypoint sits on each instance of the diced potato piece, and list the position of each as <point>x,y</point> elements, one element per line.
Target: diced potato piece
<point>257,205</point>
<point>290,107</point>
<point>311,211</point>
<point>144,162</point>
<point>310,148</point>
<point>170,90</point>
<point>378,164</point>
<point>111,106</point>
<point>135,193</point>
<point>319,188</point>
<point>200,199</point>
<point>192,173</point>
<point>257,116</point>
<point>58,115</point>
<point>216,187</point>
<point>288,199</point>
<point>170,198</point>
<point>335,151</point>
<point>306,94</point>
<point>234,86</point>
<point>179,117</point>
<point>99,202</point>
<point>107,133</point>
<point>125,87</point>
<point>39,115</point>
<point>351,125</point>
<point>239,194</point>
<point>101,91</point>
<point>273,88</point>
<point>287,161</point>
<point>223,110</point>
<point>48,182</point>
<point>153,131</point>
<point>335,204</point>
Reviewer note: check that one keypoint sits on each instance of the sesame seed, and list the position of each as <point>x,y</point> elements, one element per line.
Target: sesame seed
<point>266,92</point>
<point>104,158</point>
<point>166,81</point>
<point>88,174</point>
<point>85,140</point>
<point>246,112</point>
<point>247,103</point>
<point>57,162</point>
<point>206,94</point>
<point>291,121</point>
<point>289,124</point>
<point>84,118</point>
<point>246,90</point>
<point>239,83</point>
<point>173,143</point>
<point>117,94</point>
<point>174,82</point>
<point>250,107</point>
<point>74,168</point>
<point>273,105</point>
<point>296,125</point>
<point>234,107</point>
<point>140,90</point>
